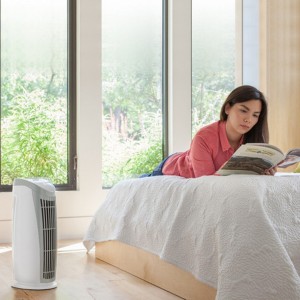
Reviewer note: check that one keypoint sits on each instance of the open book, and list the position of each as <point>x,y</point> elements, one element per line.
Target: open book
<point>256,158</point>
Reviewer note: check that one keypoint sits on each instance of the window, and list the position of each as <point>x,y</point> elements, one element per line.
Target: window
<point>38,91</point>
<point>213,58</point>
<point>132,88</point>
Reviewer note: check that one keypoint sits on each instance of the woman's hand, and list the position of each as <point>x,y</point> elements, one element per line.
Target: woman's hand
<point>271,171</point>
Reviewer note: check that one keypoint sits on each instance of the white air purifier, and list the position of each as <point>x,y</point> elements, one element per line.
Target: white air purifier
<point>34,243</point>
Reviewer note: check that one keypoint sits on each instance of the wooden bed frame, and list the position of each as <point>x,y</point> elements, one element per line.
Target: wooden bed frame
<point>151,268</point>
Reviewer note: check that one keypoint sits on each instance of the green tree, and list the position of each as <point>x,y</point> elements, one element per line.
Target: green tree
<point>33,137</point>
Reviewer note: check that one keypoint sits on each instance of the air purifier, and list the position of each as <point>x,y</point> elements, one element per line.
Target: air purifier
<point>34,241</point>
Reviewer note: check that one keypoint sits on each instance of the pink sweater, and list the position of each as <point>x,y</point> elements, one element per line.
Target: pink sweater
<point>209,150</point>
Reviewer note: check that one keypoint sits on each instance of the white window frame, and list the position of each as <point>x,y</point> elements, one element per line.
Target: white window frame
<point>75,208</point>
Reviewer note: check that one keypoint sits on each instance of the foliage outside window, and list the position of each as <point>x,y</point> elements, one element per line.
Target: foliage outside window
<point>213,58</point>
<point>132,88</point>
<point>35,91</point>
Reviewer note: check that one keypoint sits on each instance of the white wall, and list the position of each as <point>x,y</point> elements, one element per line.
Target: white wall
<point>180,74</point>
<point>251,42</point>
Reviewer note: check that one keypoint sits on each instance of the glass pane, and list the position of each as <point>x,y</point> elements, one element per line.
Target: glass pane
<point>34,126</point>
<point>132,88</point>
<point>213,58</point>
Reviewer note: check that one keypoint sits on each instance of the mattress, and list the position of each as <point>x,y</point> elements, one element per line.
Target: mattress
<point>238,234</point>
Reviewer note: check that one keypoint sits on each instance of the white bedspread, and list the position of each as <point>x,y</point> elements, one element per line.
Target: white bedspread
<point>239,234</point>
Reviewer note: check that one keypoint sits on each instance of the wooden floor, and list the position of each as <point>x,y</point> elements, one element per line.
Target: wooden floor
<point>80,276</point>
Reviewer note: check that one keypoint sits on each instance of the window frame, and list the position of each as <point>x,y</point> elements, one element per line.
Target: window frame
<point>165,123</point>
<point>71,101</point>
<point>164,84</point>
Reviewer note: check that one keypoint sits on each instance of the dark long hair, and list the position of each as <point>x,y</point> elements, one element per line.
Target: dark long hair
<point>260,131</point>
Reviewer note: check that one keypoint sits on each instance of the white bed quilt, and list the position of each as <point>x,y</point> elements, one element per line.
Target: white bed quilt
<point>239,234</point>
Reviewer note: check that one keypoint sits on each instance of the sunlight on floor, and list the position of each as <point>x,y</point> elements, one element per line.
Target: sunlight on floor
<point>4,249</point>
<point>77,247</point>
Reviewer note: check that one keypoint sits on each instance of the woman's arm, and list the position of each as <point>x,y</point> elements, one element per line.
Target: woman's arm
<point>201,157</point>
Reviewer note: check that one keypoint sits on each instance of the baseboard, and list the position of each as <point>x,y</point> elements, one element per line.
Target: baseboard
<point>67,228</point>
<point>72,228</point>
<point>5,231</point>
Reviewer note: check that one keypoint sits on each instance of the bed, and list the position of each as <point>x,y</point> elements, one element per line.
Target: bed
<point>214,237</point>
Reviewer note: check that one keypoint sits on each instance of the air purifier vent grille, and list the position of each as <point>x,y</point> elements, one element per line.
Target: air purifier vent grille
<point>48,210</point>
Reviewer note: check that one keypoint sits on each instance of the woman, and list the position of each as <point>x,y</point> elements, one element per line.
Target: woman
<point>243,119</point>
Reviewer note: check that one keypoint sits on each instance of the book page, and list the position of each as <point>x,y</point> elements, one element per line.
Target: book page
<point>266,146</point>
<point>245,165</point>
<point>294,152</point>
<point>266,152</point>
<point>252,158</point>
<point>292,157</point>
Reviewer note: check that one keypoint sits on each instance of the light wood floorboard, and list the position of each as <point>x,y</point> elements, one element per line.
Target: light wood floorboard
<point>80,276</point>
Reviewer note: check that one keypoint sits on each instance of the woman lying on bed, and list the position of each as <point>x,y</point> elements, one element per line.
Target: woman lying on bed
<point>243,119</point>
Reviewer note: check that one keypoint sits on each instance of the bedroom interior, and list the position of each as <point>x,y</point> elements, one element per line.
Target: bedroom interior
<point>140,274</point>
